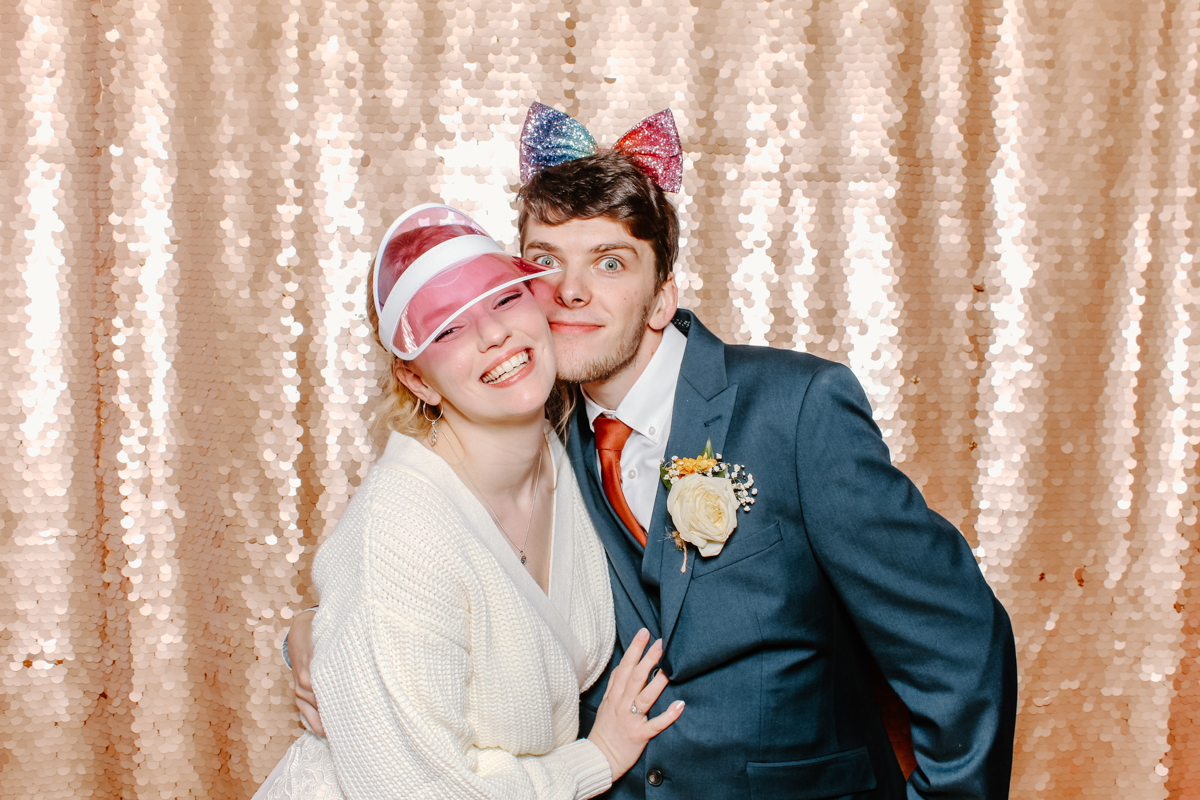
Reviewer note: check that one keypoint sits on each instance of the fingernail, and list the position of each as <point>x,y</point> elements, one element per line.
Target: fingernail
<point>641,633</point>
<point>679,704</point>
<point>658,644</point>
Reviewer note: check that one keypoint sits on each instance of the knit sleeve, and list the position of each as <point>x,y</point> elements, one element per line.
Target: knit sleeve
<point>391,679</point>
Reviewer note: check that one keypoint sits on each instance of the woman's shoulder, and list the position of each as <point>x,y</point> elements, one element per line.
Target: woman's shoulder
<point>408,478</point>
<point>405,510</point>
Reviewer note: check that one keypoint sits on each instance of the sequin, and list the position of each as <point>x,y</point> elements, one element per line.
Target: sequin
<point>988,209</point>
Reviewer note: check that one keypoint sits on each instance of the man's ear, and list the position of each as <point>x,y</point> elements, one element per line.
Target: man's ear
<point>666,302</point>
<point>413,381</point>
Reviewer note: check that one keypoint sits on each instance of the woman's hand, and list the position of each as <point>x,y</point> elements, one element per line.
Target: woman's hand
<point>622,728</point>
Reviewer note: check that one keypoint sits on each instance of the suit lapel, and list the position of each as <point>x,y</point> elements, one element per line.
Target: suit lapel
<point>702,412</point>
<point>621,554</point>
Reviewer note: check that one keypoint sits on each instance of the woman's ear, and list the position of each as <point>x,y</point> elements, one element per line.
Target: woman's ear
<point>412,380</point>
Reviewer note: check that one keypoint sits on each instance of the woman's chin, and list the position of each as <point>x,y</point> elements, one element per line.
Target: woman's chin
<point>524,397</point>
<point>519,405</point>
<point>531,406</point>
<point>516,400</point>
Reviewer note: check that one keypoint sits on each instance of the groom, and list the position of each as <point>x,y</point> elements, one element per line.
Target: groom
<point>837,570</point>
<point>837,566</point>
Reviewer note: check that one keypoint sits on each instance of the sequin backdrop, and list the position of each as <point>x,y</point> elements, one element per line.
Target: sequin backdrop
<point>987,207</point>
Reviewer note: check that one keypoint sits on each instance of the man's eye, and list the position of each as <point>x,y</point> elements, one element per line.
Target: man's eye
<point>610,265</point>
<point>545,261</point>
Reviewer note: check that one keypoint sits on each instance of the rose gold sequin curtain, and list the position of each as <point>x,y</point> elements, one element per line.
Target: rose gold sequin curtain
<point>987,207</point>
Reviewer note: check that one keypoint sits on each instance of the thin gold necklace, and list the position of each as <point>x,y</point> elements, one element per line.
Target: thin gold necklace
<point>495,517</point>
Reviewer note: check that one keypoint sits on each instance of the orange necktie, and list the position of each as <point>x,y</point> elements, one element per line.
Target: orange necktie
<point>611,435</point>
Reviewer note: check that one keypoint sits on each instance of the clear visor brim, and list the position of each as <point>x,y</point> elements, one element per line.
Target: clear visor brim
<point>447,295</point>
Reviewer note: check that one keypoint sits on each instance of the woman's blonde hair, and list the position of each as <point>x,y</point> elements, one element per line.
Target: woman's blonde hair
<point>402,411</point>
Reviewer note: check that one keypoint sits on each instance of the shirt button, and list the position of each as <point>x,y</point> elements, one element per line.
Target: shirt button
<point>632,473</point>
<point>652,431</point>
<point>654,777</point>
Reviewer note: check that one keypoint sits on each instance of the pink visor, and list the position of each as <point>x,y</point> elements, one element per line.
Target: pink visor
<point>433,264</point>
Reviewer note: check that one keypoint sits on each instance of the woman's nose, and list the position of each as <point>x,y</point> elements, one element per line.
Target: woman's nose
<point>493,330</point>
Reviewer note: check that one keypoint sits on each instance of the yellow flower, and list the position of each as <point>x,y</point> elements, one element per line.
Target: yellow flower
<point>690,466</point>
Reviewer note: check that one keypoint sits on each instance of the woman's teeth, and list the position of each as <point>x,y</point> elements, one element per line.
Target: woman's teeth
<point>508,368</point>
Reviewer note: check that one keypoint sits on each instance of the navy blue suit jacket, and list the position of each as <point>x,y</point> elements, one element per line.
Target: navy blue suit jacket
<point>839,562</point>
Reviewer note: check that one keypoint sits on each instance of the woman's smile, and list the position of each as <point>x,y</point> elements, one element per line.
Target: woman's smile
<point>512,369</point>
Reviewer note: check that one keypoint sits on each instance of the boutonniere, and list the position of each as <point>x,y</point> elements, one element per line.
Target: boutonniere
<point>705,494</point>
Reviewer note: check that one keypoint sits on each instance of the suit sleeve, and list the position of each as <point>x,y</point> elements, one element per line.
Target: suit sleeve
<point>915,592</point>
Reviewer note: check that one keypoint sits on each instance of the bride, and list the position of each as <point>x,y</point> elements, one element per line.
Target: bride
<point>464,594</point>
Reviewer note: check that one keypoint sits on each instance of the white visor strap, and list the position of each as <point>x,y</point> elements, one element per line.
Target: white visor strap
<point>436,259</point>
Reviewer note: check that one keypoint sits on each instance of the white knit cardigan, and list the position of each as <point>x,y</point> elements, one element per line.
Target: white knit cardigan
<point>441,669</point>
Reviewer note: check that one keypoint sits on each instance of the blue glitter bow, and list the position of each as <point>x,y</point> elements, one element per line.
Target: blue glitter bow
<point>550,138</point>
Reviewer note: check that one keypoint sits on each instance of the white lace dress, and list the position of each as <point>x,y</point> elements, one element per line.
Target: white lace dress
<point>441,668</point>
<point>306,771</point>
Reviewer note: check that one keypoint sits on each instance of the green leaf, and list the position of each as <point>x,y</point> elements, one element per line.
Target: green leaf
<point>708,450</point>
<point>662,473</point>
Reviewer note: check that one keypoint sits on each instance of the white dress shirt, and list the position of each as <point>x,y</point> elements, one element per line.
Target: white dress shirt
<point>647,409</point>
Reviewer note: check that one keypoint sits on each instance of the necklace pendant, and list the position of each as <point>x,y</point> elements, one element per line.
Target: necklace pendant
<point>522,558</point>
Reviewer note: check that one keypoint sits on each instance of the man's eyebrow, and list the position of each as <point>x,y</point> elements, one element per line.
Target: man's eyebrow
<point>605,247</point>
<point>609,246</point>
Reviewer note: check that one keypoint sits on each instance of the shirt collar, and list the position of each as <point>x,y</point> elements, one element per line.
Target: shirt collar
<point>647,406</point>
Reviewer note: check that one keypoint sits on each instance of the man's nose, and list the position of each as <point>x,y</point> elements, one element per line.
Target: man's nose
<point>572,290</point>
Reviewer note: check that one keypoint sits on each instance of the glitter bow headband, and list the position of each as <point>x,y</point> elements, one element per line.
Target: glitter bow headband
<point>550,138</point>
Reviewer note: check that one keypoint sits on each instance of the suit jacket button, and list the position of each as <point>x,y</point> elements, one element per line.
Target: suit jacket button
<point>654,777</point>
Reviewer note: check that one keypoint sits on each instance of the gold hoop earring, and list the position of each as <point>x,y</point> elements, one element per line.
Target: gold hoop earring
<point>433,421</point>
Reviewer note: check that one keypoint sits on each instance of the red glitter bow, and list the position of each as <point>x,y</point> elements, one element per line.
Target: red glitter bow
<point>550,137</point>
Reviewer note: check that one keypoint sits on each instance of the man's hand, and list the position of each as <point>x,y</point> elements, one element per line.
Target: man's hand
<point>300,651</point>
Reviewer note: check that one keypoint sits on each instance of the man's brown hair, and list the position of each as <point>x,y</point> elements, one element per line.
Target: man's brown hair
<point>609,185</point>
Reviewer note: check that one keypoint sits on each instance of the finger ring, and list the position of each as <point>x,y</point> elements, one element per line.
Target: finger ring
<point>633,708</point>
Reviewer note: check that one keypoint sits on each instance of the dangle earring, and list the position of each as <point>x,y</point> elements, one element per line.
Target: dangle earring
<point>433,421</point>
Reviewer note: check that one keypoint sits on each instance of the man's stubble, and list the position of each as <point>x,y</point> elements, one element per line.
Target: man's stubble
<point>610,364</point>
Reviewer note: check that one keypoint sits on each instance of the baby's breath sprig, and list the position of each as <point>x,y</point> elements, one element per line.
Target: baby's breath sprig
<point>710,465</point>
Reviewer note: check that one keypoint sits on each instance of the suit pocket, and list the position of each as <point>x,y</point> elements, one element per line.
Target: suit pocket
<point>742,544</point>
<point>841,775</point>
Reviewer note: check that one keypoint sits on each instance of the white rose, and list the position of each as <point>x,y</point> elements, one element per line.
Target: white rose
<point>704,511</point>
